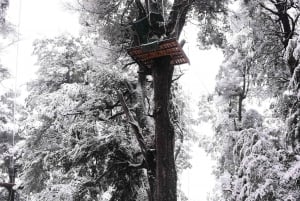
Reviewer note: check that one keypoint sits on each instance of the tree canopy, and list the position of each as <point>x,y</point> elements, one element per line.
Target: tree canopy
<point>97,125</point>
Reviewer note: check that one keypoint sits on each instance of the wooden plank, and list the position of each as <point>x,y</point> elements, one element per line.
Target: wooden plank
<point>156,54</point>
<point>140,52</point>
<point>159,53</point>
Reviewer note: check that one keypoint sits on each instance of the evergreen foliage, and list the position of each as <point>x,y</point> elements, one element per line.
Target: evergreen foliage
<point>258,154</point>
<point>91,128</point>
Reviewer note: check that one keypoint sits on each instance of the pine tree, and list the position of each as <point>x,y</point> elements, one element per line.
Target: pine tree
<point>259,162</point>
<point>162,177</point>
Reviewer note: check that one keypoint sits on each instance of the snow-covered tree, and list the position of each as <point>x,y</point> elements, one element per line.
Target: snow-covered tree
<point>120,23</point>
<point>76,127</point>
<point>257,162</point>
<point>3,8</point>
<point>12,114</point>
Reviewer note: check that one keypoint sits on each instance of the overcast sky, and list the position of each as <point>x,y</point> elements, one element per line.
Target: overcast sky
<point>38,19</point>
<point>48,18</point>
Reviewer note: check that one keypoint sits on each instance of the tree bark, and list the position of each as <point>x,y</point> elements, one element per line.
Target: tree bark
<point>12,175</point>
<point>284,19</point>
<point>166,177</point>
<point>240,107</point>
<point>9,188</point>
<point>11,195</point>
<point>140,95</point>
<point>162,175</point>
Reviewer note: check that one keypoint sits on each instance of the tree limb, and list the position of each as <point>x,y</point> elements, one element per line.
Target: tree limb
<point>178,77</point>
<point>181,141</point>
<point>142,11</point>
<point>268,9</point>
<point>134,124</point>
<point>116,115</point>
<point>129,64</point>
<point>294,22</point>
<point>6,185</point>
<point>177,17</point>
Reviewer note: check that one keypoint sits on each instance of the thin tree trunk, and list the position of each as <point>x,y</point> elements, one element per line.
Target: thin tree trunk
<point>11,191</point>
<point>296,140</point>
<point>166,177</point>
<point>240,107</point>
<point>11,196</point>
<point>284,18</point>
<point>9,188</point>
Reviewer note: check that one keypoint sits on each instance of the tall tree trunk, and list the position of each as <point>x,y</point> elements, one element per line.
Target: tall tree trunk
<point>166,177</point>
<point>162,175</point>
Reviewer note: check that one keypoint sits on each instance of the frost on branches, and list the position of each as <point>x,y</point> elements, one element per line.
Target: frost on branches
<point>259,153</point>
<point>79,145</point>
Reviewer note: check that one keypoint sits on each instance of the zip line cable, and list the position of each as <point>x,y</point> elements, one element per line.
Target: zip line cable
<point>16,71</point>
<point>11,170</point>
<point>15,86</point>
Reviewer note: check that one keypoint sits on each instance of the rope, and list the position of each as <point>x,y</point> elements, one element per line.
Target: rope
<point>163,12</point>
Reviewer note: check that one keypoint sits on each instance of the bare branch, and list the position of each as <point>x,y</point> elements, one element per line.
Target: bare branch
<point>137,130</point>
<point>268,9</point>
<point>178,77</point>
<point>272,1</point>
<point>9,44</point>
<point>73,113</point>
<point>177,17</point>
<point>181,141</point>
<point>294,22</point>
<point>116,115</point>
<point>129,64</point>
<point>142,11</point>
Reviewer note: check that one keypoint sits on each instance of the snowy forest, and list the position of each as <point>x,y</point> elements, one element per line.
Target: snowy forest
<point>101,121</point>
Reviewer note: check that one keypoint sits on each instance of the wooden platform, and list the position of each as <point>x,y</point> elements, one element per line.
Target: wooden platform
<point>145,54</point>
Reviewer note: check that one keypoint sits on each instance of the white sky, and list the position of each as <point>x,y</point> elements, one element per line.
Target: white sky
<point>199,79</point>
<point>47,18</point>
<point>38,19</point>
<point>200,75</point>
